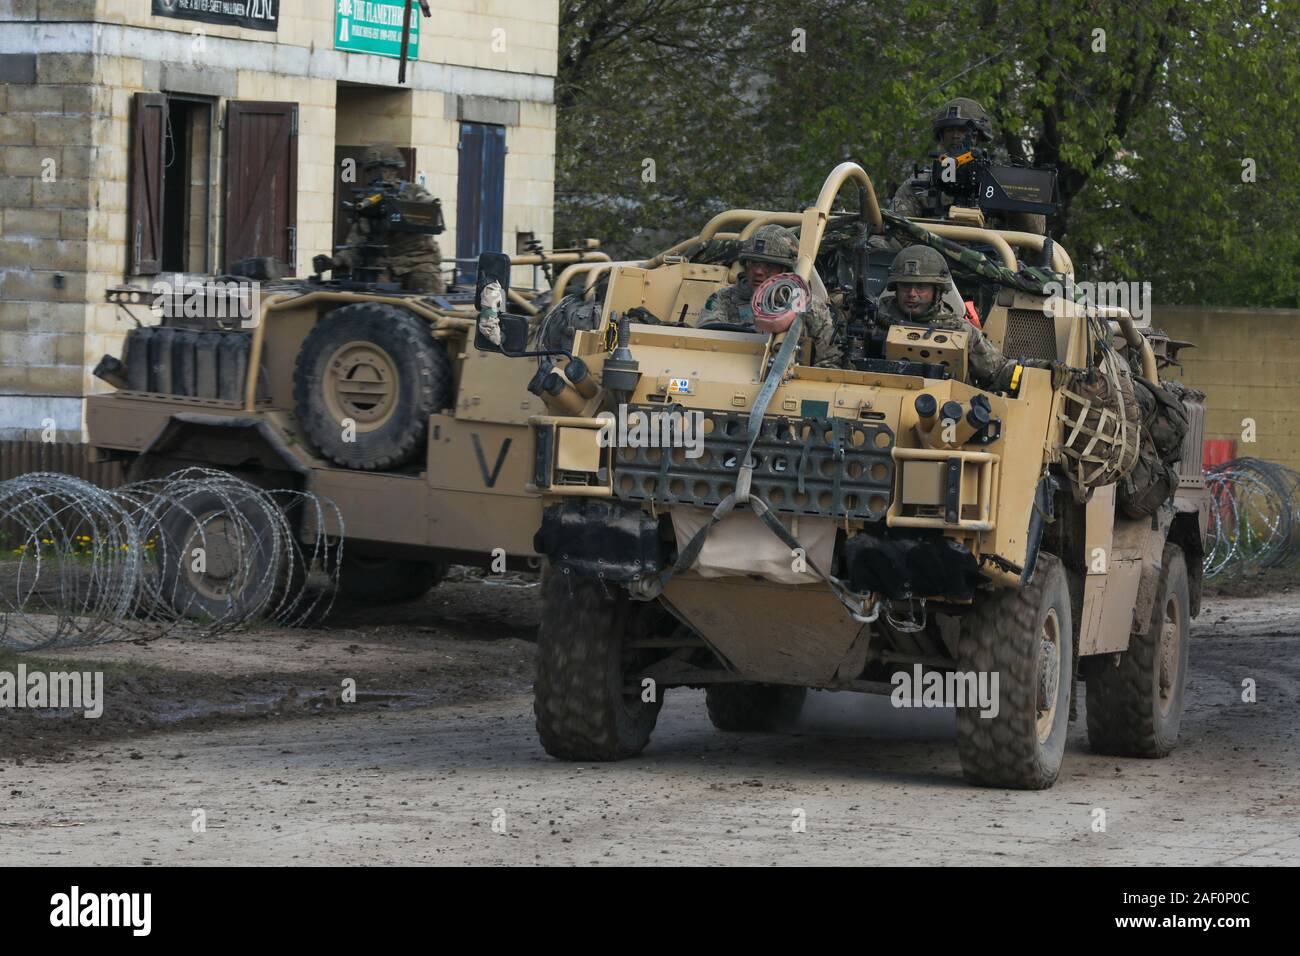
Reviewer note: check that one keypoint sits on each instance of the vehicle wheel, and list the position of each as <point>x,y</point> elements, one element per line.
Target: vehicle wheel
<point>1135,709</point>
<point>387,580</point>
<point>754,707</point>
<point>585,704</point>
<point>1025,636</point>
<point>238,574</point>
<point>378,368</point>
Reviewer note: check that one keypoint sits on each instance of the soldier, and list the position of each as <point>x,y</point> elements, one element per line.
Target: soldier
<point>410,258</point>
<point>772,250</point>
<point>920,197</point>
<point>918,279</point>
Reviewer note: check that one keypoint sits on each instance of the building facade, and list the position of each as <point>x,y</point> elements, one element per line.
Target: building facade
<point>141,139</point>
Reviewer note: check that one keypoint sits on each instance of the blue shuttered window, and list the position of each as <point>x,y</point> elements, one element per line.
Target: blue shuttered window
<point>480,192</point>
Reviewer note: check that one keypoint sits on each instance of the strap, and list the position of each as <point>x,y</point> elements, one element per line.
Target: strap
<point>774,376</point>
<point>855,606</point>
<point>803,459</point>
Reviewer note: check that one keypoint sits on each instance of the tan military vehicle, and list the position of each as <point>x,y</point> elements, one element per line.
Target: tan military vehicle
<point>363,394</point>
<point>875,527</point>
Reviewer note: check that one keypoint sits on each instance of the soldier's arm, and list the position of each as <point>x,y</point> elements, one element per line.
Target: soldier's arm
<point>989,368</point>
<point>820,328</point>
<point>349,258</point>
<point>711,311</point>
<point>906,201</point>
<point>913,197</point>
<point>414,192</point>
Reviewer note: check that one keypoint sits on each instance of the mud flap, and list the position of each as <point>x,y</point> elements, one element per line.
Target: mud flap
<point>600,539</point>
<point>1043,514</point>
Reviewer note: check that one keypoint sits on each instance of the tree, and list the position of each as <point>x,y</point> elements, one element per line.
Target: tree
<point>1148,112</point>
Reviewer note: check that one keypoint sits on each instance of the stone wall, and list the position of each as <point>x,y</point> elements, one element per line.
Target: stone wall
<point>50,113</point>
<point>68,72</point>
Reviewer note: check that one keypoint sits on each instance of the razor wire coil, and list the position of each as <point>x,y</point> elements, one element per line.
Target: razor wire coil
<point>198,548</point>
<point>1253,517</point>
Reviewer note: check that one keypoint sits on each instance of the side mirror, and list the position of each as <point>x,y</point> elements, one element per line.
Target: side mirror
<point>497,330</point>
<point>512,331</point>
<point>492,267</point>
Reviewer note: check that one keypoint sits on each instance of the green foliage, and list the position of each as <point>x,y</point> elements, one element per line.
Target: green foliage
<point>1148,136</point>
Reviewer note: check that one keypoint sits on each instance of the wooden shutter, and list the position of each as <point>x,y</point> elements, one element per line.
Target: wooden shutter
<point>147,159</point>
<point>261,174</point>
<point>480,191</point>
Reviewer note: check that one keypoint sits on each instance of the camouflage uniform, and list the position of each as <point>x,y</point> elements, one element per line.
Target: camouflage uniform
<point>988,367</point>
<point>412,259</point>
<point>919,197</point>
<point>731,304</point>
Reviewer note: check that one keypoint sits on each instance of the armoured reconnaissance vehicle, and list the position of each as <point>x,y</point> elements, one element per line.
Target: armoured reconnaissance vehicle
<point>861,527</point>
<point>353,390</point>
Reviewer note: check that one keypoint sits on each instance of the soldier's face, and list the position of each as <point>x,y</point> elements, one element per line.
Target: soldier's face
<point>951,137</point>
<point>914,298</point>
<point>756,273</point>
<point>391,174</point>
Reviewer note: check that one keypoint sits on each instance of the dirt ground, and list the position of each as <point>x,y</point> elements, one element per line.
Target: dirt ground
<point>439,747</point>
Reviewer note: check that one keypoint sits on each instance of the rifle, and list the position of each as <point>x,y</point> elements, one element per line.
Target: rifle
<point>974,179</point>
<point>379,204</point>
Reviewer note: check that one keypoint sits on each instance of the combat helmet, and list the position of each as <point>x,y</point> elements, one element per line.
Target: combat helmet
<point>385,155</point>
<point>965,113</point>
<point>770,243</point>
<point>919,265</point>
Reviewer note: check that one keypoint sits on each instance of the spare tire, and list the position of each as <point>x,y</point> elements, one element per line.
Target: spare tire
<point>368,378</point>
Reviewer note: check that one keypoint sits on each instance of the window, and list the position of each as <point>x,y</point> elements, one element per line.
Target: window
<point>171,183</point>
<point>171,227</point>
<point>480,195</point>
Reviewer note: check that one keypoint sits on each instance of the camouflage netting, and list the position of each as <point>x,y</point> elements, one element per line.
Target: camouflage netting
<point>1101,430</point>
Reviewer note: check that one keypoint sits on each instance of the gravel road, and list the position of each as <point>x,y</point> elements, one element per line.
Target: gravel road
<point>437,762</point>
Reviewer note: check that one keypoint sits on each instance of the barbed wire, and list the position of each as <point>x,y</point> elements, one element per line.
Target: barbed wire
<point>199,548</point>
<point>1253,517</point>
<point>209,552</point>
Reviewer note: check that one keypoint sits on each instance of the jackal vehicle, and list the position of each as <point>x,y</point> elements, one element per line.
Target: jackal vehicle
<point>364,394</point>
<point>850,528</point>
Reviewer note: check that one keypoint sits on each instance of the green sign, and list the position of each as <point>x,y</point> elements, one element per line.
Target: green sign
<point>375,26</point>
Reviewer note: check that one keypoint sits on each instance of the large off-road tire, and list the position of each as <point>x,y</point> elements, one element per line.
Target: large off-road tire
<point>240,572</point>
<point>375,580</point>
<point>1135,708</point>
<point>379,368</point>
<point>1025,636</point>
<point>585,704</point>
<point>754,707</point>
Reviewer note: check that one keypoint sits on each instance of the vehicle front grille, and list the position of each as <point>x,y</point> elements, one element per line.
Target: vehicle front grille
<point>1030,334</point>
<point>824,467</point>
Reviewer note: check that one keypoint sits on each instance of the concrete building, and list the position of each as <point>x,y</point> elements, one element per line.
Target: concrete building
<point>142,138</point>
